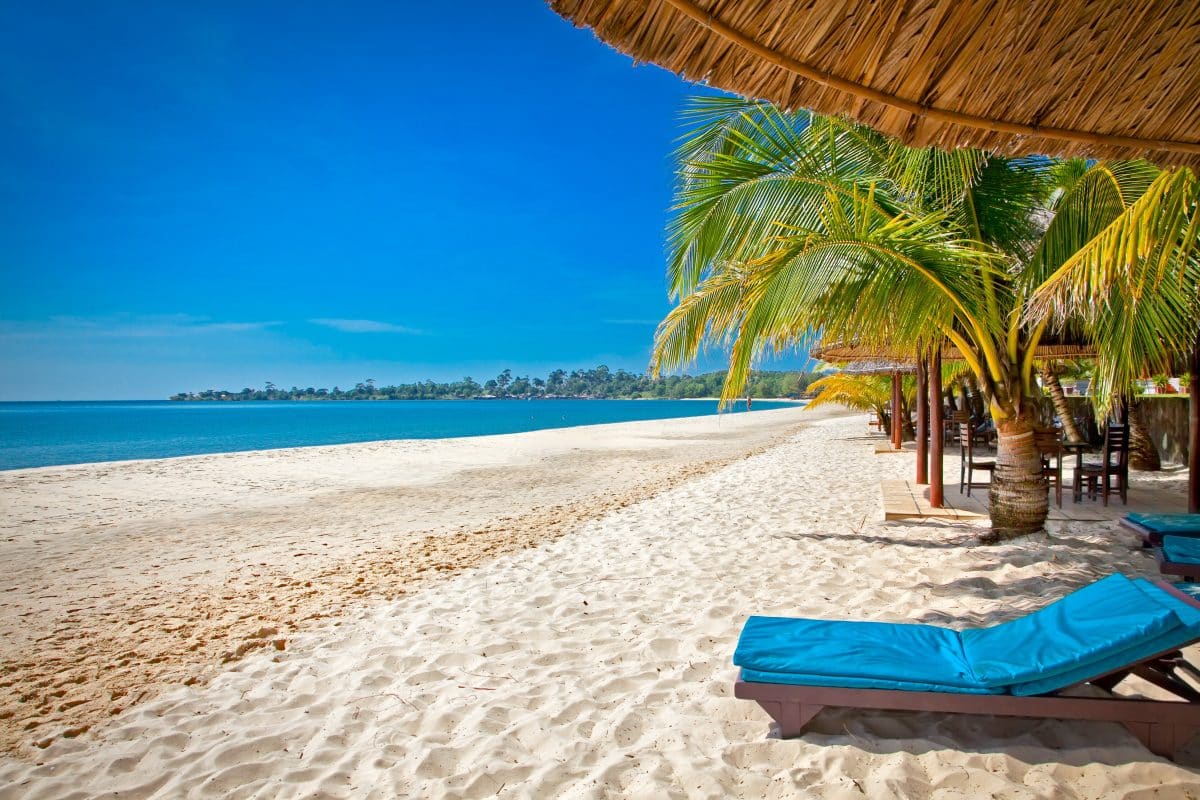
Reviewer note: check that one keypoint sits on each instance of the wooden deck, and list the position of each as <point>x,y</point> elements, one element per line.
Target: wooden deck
<point>1164,492</point>
<point>909,500</point>
<point>906,499</point>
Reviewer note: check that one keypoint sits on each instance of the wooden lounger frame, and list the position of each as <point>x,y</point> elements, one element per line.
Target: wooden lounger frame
<point>1188,571</point>
<point>1150,538</point>
<point>1163,726</point>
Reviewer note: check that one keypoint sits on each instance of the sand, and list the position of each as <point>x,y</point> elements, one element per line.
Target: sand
<point>123,578</point>
<point>595,663</point>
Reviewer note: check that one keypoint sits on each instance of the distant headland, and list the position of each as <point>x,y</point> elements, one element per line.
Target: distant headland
<point>597,383</point>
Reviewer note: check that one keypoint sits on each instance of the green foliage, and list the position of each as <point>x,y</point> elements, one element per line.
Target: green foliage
<point>1162,384</point>
<point>1129,274</point>
<point>786,225</point>
<point>600,382</point>
<point>859,392</point>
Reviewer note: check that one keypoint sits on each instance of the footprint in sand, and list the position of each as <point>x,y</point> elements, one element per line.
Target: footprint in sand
<point>573,711</point>
<point>630,729</point>
<point>440,762</point>
<point>664,648</point>
<point>428,676</point>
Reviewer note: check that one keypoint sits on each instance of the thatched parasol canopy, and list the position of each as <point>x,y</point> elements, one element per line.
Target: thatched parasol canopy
<point>1098,78</point>
<point>847,353</point>
<point>879,367</point>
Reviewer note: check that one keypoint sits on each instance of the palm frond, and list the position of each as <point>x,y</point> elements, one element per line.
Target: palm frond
<point>747,168</point>
<point>1089,199</point>
<point>859,392</point>
<point>1132,286</point>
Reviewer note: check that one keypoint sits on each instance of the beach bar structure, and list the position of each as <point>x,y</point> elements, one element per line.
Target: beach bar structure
<point>1117,79</point>
<point>930,428</point>
<point>894,369</point>
<point>930,423</point>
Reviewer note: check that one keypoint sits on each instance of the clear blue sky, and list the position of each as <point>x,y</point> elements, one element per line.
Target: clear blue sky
<point>223,193</point>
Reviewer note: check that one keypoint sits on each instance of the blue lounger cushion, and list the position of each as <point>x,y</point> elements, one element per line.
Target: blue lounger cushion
<point>853,654</point>
<point>760,676</point>
<point>1186,632</point>
<point>1083,627</point>
<point>1180,524</point>
<point>1181,549</point>
<point>1095,630</point>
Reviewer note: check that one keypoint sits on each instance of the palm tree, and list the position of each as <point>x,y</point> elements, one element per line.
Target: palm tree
<point>862,393</point>
<point>1058,398</point>
<point>1143,454</point>
<point>786,224</point>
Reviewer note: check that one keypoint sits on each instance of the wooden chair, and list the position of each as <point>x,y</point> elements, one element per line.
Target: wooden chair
<point>1099,477</point>
<point>950,422</point>
<point>979,436</point>
<point>968,465</point>
<point>1049,444</point>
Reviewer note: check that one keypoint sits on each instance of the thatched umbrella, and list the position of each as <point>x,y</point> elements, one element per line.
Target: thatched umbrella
<point>859,359</point>
<point>896,369</point>
<point>840,352</point>
<point>1094,78</point>
<point>862,358</point>
<point>1107,78</point>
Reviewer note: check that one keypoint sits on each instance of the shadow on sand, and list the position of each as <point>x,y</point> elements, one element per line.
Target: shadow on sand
<point>898,541</point>
<point>918,733</point>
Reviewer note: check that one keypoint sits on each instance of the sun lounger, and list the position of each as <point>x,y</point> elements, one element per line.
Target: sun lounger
<point>1152,527</point>
<point>1180,555</point>
<point>1097,635</point>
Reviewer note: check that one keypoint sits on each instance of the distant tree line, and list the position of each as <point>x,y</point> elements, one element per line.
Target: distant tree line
<point>597,383</point>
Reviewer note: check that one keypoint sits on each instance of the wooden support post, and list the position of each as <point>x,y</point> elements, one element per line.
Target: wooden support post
<point>922,421</point>
<point>937,428</point>
<point>1194,430</point>
<point>897,426</point>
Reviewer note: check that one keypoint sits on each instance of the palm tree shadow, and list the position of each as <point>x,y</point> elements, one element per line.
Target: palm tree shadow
<point>960,542</point>
<point>1019,597</point>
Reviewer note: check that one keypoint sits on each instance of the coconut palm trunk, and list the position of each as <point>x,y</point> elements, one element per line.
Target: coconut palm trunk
<point>1018,499</point>
<point>1018,496</point>
<point>1059,400</point>
<point>1143,455</point>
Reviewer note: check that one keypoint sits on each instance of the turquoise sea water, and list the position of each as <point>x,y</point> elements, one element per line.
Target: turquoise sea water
<point>45,434</point>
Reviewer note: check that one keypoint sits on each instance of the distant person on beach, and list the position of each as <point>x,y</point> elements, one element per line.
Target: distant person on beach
<point>748,402</point>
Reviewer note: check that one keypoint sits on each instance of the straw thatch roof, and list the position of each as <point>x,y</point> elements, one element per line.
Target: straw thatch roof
<point>878,367</point>
<point>1101,78</point>
<point>849,353</point>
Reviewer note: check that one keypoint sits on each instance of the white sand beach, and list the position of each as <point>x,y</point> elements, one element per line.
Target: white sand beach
<point>509,617</point>
<point>124,577</point>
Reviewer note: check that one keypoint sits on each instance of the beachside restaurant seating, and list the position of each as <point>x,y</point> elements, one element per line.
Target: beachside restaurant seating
<point>1099,477</point>
<point>968,465</point>
<point>1097,635</point>
<point>981,434</point>
<point>1050,444</point>
<point>951,421</point>
<point>1153,527</point>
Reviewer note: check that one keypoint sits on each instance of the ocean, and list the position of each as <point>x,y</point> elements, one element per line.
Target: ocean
<point>48,434</point>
